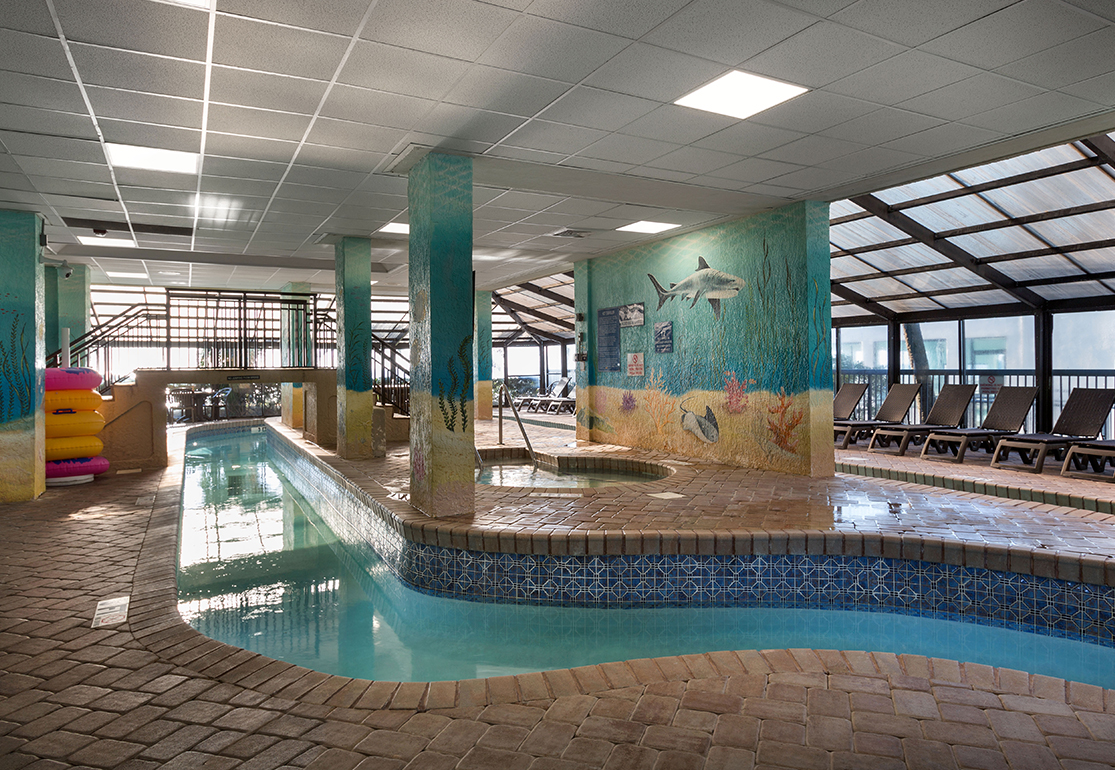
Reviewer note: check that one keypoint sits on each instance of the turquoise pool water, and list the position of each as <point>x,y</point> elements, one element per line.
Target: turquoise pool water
<point>523,474</point>
<point>257,569</point>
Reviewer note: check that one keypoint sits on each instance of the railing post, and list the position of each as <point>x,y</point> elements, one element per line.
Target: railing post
<point>1043,369</point>
<point>167,321</point>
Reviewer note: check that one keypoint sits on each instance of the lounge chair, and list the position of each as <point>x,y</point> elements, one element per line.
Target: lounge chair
<point>947,412</point>
<point>1094,453</point>
<point>1082,418</point>
<point>847,399</point>
<point>556,390</point>
<point>893,411</point>
<point>1004,418</point>
<point>568,402</point>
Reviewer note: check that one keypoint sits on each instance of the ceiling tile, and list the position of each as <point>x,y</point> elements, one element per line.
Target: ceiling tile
<point>16,181</point>
<point>136,25</point>
<point>145,108</point>
<point>324,177</point>
<point>271,48</point>
<point>522,153</point>
<point>74,188</point>
<point>553,137</point>
<point>551,49</point>
<point>728,31</point>
<point>1033,113</point>
<point>902,77</point>
<point>215,165</point>
<point>266,90</point>
<point>1100,90</point>
<point>331,195</point>
<point>147,135</point>
<point>943,140</point>
<point>237,187</point>
<point>498,90</point>
<point>135,177</point>
<point>628,149</point>
<point>755,170</point>
<point>28,119</point>
<point>250,148</point>
<point>335,157</point>
<point>401,71</point>
<point>253,122</point>
<point>821,54</point>
<point>339,133</point>
<point>340,16</point>
<point>376,107</point>
<point>1013,33</point>
<point>46,93</point>
<point>526,201</point>
<point>977,94</point>
<point>1099,7</point>
<point>65,169</point>
<point>814,111</point>
<point>594,108</point>
<point>681,125</point>
<point>811,178</point>
<point>872,160</point>
<point>663,173</point>
<point>654,73</point>
<point>1068,63</point>
<point>694,160</point>
<point>915,23</point>
<point>139,72</point>
<point>463,29</point>
<point>747,138</point>
<point>463,123</point>
<point>882,126</point>
<point>628,19</point>
<point>33,55</point>
<point>28,17</point>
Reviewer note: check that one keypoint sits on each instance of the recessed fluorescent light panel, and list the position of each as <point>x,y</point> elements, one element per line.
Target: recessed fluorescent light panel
<point>126,275</point>
<point>151,158</point>
<point>93,240</point>
<point>647,227</point>
<point>395,227</point>
<point>740,95</point>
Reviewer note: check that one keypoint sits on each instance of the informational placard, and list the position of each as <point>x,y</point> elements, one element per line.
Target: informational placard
<point>607,339</point>
<point>111,611</point>
<point>634,364</point>
<point>632,315</point>
<point>989,384</point>
<point>663,336</point>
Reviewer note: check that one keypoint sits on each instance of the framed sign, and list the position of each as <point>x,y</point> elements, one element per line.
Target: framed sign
<point>631,315</point>
<point>663,336</point>
<point>607,339</point>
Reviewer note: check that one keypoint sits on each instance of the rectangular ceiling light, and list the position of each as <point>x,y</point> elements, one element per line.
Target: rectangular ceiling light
<point>740,95</point>
<point>152,159</point>
<point>125,275</point>
<point>647,227</point>
<point>93,240</point>
<point>395,227</point>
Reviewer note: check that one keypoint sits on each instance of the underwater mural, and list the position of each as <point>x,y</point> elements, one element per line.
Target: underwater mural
<point>482,329</point>
<point>738,370</point>
<point>356,401</point>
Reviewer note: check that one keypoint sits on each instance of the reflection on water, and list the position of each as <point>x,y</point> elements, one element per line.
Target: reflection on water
<point>260,571</point>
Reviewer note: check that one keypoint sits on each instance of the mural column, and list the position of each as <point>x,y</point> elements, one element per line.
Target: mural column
<point>442,454</point>
<point>818,264</point>
<point>293,341</point>
<point>584,330</point>
<point>22,351</point>
<point>355,398</point>
<point>482,361</point>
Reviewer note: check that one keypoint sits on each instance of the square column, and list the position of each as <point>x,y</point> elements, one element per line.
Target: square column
<point>483,357</point>
<point>22,352</point>
<point>294,341</point>
<point>67,305</point>
<point>442,448</point>
<point>355,398</point>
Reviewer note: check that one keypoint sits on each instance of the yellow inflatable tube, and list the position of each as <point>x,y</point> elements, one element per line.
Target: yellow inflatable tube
<point>75,400</point>
<point>63,424</point>
<point>71,447</point>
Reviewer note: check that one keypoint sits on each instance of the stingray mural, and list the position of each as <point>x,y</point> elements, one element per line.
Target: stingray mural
<point>711,284</point>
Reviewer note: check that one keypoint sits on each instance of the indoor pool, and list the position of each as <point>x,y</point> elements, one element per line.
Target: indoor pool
<point>524,474</point>
<point>259,570</point>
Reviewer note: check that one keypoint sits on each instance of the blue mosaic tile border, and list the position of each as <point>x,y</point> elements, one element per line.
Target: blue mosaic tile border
<point>1027,602</point>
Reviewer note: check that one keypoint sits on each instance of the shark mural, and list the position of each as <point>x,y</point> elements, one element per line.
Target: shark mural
<point>707,282</point>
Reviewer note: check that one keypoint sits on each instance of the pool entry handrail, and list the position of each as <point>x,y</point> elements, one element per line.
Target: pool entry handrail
<point>501,390</point>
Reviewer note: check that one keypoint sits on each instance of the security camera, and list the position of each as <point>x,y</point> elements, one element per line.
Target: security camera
<point>67,270</point>
<point>100,233</point>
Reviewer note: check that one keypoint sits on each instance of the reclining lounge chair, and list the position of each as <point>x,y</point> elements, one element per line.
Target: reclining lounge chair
<point>947,412</point>
<point>1004,418</point>
<point>1081,419</point>
<point>892,412</point>
<point>1094,453</point>
<point>847,399</point>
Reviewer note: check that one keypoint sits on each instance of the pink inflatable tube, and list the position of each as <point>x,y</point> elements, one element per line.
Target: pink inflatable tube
<point>72,378</point>
<point>81,466</point>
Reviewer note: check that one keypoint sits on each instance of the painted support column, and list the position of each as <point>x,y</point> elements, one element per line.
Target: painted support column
<point>294,341</point>
<point>355,398</point>
<point>22,351</point>
<point>442,448</point>
<point>584,330</point>
<point>73,303</point>
<point>483,357</point>
<point>817,307</point>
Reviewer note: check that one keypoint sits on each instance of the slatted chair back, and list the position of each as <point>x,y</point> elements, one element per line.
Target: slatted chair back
<point>897,402</point>
<point>1085,412</point>
<point>950,405</point>
<point>1009,410</point>
<point>847,399</point>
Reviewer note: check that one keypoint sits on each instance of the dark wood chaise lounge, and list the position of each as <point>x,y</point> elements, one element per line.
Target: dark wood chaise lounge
<point>1082,418</point>
<point>847,399</point>
<point>1004,418</point>
<point>893,411</point>
<point>947,412</point>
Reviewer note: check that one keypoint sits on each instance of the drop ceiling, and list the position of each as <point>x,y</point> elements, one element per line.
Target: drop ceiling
<point>308,114</point>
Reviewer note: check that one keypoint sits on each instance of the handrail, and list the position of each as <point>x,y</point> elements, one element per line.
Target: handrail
<point>501,388</point>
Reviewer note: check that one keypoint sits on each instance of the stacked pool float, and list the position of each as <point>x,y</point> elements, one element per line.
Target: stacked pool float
<point>72,424</point>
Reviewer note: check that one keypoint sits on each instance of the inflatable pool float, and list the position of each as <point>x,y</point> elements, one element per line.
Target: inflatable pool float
<point>72,422</point>
<point>72,447</point>
<point>72,378</point>
<point>74,400</point>
<point>66,422</point>
<point>78,466</point>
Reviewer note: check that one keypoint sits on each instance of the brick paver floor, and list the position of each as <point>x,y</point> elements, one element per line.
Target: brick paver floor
<point>151,692</point>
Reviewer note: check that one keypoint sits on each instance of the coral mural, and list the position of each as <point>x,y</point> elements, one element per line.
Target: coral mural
<point>746,376</point>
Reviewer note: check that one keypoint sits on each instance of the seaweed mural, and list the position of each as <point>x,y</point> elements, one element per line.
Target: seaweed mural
<point>819,353</point>
<point>358,358</point>
<point>658,403</point>
<point>784,421</point>
<point>460,389</point>
<point>17,380</point>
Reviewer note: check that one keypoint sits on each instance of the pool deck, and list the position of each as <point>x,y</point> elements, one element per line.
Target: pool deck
<point>151,692</point>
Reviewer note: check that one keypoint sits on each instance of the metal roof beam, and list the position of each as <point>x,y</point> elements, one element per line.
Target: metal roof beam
<point>550,295</point>
<point>512,310</point>
<point>508,305</point>
<point>863,302</point>
<point>1103,146</point>
<point>958,255</point>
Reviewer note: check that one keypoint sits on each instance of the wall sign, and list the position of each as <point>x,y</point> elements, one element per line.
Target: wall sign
<point>663,336</point>
<point>634,364</point>
<point>607,339</point>
<point>631,315</point>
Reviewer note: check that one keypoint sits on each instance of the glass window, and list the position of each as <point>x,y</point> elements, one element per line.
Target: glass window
<point>931,346</point>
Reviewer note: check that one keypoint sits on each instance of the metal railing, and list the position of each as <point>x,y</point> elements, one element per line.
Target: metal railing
<point>1064,380</point>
